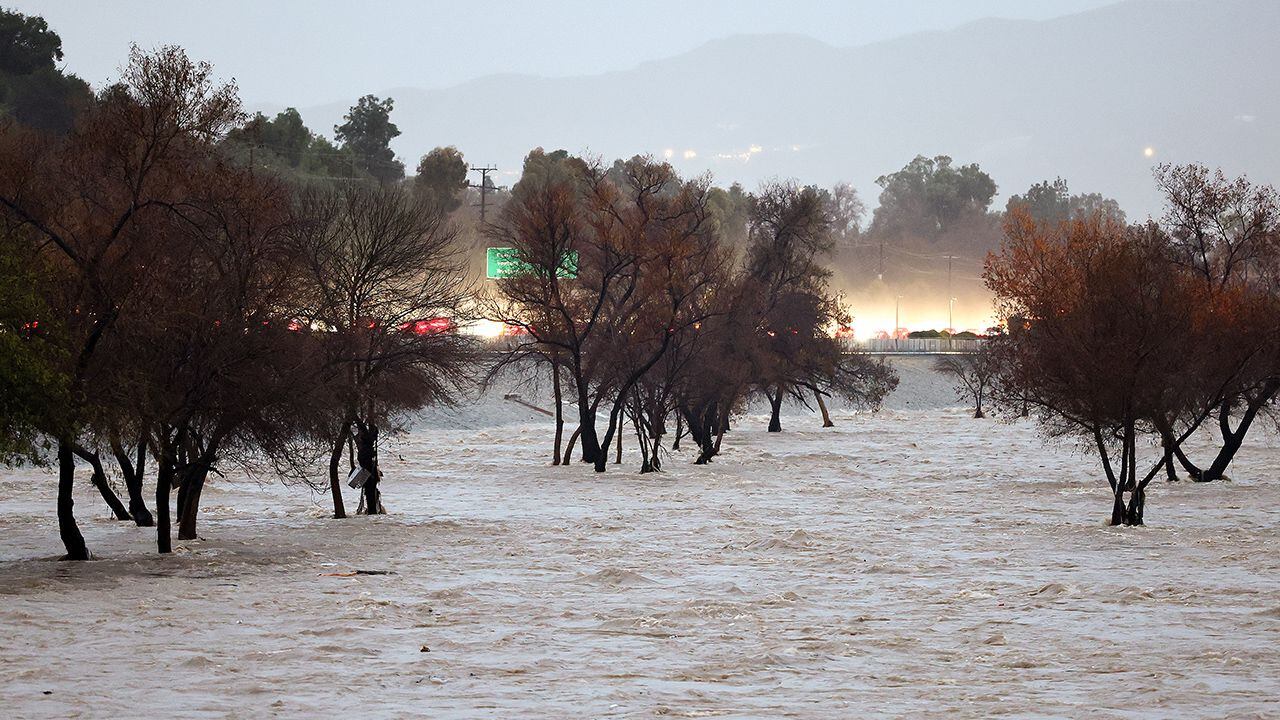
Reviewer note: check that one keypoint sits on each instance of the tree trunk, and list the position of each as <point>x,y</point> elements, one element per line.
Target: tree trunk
<point>642,442</point>
<point>675,445</point>
<point>591,450</point>
<point>1232,441</point>
<point>72,540</point>
<point>775,405</point>
<point>181,463</point>
<point>618,459</point>
<point>602,453</point>
<point>335,479</point>
<point>555,386</point>
<point>1166,444</point>
<point>133,475</point>
<point>568,450</point>
<point>1173,445</point>
<point>826,416</point>
<point>711,428</point>
<point>1117,508</point>
<point>195,474</point>
<point>1230,446</point>
<point>164,481</point>
<point>1192,471</point>
<point>1121,482</point>
<point>192,487</point>
<point>1137,501</point>
<point>658,427</point>
<point>367,457</point>
<point>100,482</point>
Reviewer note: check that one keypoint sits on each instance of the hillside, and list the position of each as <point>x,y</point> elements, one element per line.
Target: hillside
<point>1080,96</point>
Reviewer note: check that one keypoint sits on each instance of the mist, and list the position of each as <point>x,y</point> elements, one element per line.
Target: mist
<point>574,359</point>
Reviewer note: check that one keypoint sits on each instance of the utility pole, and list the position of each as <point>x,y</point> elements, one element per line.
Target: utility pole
<point>484,187</point>
<point>880,274</point>
<point>951,303</point>
<point>897,305</point>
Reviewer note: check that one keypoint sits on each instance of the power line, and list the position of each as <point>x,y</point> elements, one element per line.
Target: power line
<point>484,186</point>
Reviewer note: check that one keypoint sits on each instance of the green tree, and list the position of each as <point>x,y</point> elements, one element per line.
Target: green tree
<point>286,144</point>
<point>847,210</point>
<point>1090,203</point>
<point>1051,202</point>
<point>32,386</point>
<point>27,44</point>
<point>367,135</point>
<point>325,159</point>
<point>1047,202</point>
<point>442,176</point>
<point>731,209</point>
<point>32,89</point>
<point>929,197</point>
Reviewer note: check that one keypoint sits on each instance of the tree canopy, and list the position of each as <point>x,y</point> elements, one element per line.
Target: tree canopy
<point>1052,202</point>
<point>442,178</point>
<point>284,143</point>
<point>32,89</point>
<point>929,196</point>
<point>367,133</point>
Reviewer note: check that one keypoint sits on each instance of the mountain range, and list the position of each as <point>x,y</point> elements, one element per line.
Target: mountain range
<point>1097,98</point>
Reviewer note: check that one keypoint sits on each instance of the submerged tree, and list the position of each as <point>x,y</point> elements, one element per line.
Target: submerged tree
<point>786,288</point>
<point>1100,327</point>
<point>642,250</point>
<point>973,373</point>
<point>387,293</point>
<point>1226,234</point>
<point>92,197</point>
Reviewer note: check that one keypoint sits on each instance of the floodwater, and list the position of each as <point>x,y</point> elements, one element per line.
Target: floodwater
<point>911,563</point>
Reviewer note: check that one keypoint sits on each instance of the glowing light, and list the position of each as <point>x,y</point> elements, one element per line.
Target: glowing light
<point>485,328</point>
<point>690,154</point>
<point>1149,151</point>
<point>668,153</point>
<point>755,149</point>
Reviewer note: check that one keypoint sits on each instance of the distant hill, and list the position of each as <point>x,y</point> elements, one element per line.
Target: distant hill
<point>1079,96</point>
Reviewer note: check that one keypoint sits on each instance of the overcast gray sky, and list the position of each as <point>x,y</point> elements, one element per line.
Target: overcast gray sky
<point>301,52</point>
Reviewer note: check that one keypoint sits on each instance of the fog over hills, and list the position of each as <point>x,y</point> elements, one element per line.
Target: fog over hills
<point>1081,96</point>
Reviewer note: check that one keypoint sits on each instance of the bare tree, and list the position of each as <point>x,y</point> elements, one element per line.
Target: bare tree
<point>89,197</point>
<point>387,293</point>
<point>1226,232</point>
<point>973,374</point>
<point>645,251</point>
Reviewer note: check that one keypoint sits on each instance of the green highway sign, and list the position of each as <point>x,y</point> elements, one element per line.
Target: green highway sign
<point>504,262</point>
<point>500,262</point>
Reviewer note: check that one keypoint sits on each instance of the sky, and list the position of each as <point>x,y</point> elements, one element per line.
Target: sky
<point>309,52</point>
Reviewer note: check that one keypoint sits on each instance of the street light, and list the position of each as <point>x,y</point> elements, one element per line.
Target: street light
<point>897,305</point>
<point>951,325</point>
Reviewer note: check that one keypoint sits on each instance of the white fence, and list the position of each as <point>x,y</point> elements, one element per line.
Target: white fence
<point>919,345</point>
